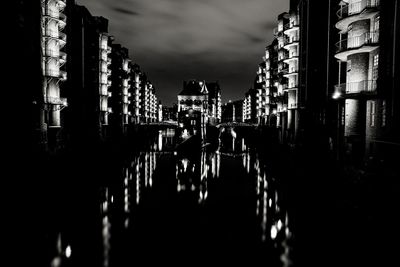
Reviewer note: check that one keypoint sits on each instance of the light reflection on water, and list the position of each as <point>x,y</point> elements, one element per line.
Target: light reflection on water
<point>194,175</point>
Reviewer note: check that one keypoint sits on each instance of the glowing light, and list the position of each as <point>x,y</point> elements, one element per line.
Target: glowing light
<point>336,95</point>
<point>68,251</point>
<point>274,232</point>
<point>279,225</point>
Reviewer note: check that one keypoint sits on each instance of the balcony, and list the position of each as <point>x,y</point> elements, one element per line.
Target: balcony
<point>291,71</point>
<point>108,61</point>
<point>109,49</point>
<point>63,55</point>
<point>108,72</point>
<point>293,25</point>
<point>355,88</point>
<point>359,44</point>
<point>363,9</point>
<point>293,56</point>
<point>61,3</point>
<point>63,75</point>
<point>290,41</point>
<point>56,101</point>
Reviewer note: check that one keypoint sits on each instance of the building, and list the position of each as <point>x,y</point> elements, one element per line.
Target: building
<point>120,91</point>
<point>159,112</point>
<point>233,111</point>
<point>271,67</point>
<point>135,98</point>
<point>51,101</point>
<point>170,113</point>
<point>214,102</point>
<point>251,105</point>
<point>193,106</point>
<point>366,94</point>
<point>88,88</point>
<point>246,107</point>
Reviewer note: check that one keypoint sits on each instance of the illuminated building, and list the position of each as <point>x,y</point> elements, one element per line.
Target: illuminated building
<point>135,105</point>
<point>214,102</point>
<point>120,89</point>
<point>366,94</point>
<point>53,65</point>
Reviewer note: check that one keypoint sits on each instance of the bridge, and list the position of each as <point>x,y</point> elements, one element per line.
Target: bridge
<point>160,124</point>
<point>235,125</point>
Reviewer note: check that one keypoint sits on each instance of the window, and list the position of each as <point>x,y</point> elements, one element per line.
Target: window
<point>348,65</point>
<point>375,67</point>
<point>376,24</point>
<point>383,113</point>
<point>343,115</point>
<point>372,113</point>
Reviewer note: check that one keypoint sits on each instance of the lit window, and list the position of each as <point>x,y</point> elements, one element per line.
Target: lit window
<point>372,113</point>
<point>383,113</point>
<point>375,67</point>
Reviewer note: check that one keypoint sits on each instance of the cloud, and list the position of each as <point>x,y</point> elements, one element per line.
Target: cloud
<point>125,11</point>
<point>174,40</point>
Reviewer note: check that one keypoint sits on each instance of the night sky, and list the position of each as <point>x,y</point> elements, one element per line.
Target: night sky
<point>176,40</point>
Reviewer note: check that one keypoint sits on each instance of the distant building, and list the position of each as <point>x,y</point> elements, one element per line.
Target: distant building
<point>135,106</point>
<point>170,113</point>
<point>233,111</point>
<point>214,102</point>
<point>120,90</point>
<point>194,96</point>
<point>193,106</point>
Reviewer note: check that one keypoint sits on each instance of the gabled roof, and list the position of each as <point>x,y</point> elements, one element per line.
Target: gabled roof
<point>194,87</point>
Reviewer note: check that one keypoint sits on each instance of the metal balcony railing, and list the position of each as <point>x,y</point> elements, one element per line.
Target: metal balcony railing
<point>368,38</point>
<point>356,8</point>
<point>291,25</point>
<point>63,55</point>
<point>291,40</point>
<point>56,101</point>
<point>63,17</point>
<point>50,33</point>
<point>63,75</point>
<point>62,36</point>
<point>356,87</point>
<point>62,3</point>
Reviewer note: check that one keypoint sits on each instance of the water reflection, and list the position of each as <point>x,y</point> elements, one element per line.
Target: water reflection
<point>160,171</point>
<point>192,174</point>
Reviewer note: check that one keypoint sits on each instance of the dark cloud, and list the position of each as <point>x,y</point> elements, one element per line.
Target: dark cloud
<point>126,11</point>
<point>174,40</point>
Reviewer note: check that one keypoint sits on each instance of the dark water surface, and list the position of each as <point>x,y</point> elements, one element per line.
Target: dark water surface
<point>216,204</point>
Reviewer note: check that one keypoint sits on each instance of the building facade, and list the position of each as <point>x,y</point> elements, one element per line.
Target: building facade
<point>214,102</point>
<point>54,57</point>
<point>365,92</point>
<point>89,60</point>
